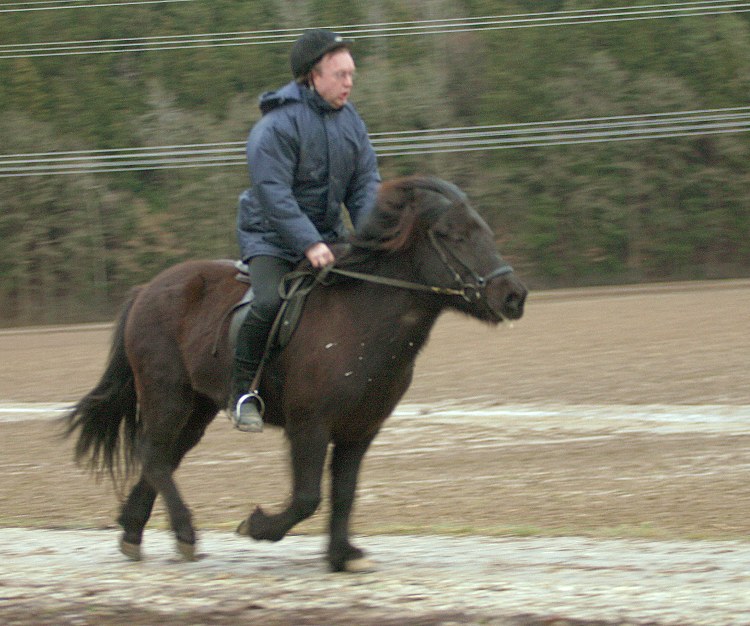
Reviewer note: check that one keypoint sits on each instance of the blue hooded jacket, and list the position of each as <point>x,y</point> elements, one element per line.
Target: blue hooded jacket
<point>306,159</point>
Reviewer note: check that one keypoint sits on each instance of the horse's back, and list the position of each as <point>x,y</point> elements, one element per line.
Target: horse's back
<point>178,324</point>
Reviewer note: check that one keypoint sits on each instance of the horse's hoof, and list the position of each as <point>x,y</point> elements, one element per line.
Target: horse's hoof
<point>355,565</point>
<point>130,550</point>
<point>247,525</point>
<point>186,550</point>
<point>360,565</point>
<point>244,528</point>
<point>261,527</point>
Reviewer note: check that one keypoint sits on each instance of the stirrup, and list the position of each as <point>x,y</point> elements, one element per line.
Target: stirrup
<point>252,422</point>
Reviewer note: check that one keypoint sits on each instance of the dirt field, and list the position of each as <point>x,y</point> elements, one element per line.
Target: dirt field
<point>607,413</point>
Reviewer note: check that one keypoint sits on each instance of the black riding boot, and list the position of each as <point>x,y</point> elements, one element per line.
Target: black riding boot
<point>245,405</point>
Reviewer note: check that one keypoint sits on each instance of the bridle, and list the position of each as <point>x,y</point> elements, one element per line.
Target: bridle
<point>476,288</point>
<point>472,290</point>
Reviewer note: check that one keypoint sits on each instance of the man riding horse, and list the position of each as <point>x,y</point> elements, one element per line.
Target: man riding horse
<point>309,155</point>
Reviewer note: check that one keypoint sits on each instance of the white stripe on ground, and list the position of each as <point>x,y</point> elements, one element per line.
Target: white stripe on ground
<point>579,418</point>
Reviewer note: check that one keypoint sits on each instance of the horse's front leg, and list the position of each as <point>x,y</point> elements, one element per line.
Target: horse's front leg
<point>345,463</point>
<point>308,446</point>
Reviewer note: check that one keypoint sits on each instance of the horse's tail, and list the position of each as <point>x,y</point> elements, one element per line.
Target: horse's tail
<point>109,408</point>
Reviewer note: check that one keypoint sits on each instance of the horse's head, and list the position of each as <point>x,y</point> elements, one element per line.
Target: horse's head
<point>452,246</point>
<point>465,254</point>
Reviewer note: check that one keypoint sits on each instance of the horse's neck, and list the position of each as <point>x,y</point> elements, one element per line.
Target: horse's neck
<point>408,318</point>
<point>388,327</point>
<point>398,317</point>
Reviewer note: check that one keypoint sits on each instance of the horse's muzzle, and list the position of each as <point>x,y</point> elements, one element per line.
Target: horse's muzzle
<point>506,297</point>
<point>514,303</point>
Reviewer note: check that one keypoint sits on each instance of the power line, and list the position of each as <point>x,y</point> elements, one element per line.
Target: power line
<point>672,125</point>
<point>55,5</point>
<point>387,29</point>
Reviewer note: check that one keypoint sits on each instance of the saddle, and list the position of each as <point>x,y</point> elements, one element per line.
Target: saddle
<point>293,290</point>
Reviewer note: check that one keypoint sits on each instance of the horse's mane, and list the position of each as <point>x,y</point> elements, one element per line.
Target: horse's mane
<point>399,214</point>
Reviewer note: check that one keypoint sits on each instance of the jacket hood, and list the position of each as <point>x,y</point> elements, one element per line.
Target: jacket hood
<point>271,100</point>
<point>292,92</point>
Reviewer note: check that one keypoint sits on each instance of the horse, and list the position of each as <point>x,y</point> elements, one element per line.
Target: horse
<point>351,358</point>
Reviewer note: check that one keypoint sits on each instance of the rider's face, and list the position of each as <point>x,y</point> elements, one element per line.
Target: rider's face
<point>333,77</point>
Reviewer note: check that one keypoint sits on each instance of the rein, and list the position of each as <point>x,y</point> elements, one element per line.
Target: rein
<point>395,282</point>
<point>464,290</point>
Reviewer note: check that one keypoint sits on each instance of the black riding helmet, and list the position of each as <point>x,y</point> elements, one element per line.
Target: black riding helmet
<point>311,47</point>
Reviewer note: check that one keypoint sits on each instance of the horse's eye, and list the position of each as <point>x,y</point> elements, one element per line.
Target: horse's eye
<point>454,235</point>
<point>452,231</point>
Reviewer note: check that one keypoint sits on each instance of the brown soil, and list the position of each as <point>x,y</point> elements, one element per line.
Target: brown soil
<point>685,344</point>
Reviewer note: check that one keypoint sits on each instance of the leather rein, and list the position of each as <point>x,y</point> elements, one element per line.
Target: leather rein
<point>469,291</point>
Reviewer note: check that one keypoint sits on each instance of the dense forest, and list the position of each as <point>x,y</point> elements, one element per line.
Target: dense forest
<point>672,206</point>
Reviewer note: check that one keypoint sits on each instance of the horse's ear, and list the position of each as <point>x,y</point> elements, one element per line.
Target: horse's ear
<point>433,197</point>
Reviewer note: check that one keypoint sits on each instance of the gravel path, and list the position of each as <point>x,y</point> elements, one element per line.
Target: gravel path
<point>81,578</point>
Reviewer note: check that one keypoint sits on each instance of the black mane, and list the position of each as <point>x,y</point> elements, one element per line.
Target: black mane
<point>405,207</point>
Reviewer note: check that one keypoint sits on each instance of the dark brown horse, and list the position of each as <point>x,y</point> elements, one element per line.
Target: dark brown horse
<point>342,373</point>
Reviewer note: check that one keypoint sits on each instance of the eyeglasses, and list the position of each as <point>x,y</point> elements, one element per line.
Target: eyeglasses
<point>341,75</point>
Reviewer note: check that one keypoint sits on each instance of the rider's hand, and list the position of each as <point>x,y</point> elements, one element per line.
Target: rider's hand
<point>319,255</point>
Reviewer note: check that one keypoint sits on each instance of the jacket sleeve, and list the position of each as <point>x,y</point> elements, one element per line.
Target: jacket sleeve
<point>272,159</point>
<point>363,188</point>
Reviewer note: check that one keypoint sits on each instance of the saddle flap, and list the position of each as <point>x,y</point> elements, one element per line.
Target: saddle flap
<point>295,288</point>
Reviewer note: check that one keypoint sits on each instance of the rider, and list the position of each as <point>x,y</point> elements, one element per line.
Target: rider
<point>308,156</point>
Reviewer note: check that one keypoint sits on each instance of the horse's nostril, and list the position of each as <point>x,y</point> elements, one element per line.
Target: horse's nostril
<point>514,303</point>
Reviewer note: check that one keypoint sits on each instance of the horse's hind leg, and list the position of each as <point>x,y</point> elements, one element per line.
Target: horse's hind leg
<point>133,517</point>
<point>345,463</point>
<point>160,458</point>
